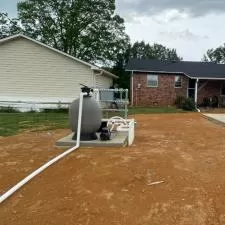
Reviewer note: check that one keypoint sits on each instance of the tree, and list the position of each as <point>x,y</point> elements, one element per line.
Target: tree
<point>155,51</point>
<point>140,50</point>
<point>119,70</point>
<point>8,26</point>
<point>215,55</point>
<point>88,29</point>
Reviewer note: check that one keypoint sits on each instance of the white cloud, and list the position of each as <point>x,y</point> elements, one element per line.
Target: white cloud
<point>190,26</point>
<point>190,36</point>
<point>169,16</point>
<point>192,7</point>
<point>182,34</point>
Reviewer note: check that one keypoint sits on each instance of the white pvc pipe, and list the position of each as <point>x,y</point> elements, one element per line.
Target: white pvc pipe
<point>57,158</point>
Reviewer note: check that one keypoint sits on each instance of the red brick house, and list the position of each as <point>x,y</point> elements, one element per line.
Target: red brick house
<point>159,83</point>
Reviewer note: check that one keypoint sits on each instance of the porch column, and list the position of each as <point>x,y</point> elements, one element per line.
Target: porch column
<point>196,92</point>
<point>132,88</point>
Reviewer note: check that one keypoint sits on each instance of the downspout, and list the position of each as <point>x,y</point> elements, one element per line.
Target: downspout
<point>196,95</point>
<point>54,160</point>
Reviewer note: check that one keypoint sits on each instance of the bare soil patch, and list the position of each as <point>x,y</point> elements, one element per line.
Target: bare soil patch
<point>117,186</point>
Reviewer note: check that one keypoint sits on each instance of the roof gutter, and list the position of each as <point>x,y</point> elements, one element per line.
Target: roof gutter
<point>104,72</point>
<point>165,72</point>
<point>152,71</point>
<point>208,78</point>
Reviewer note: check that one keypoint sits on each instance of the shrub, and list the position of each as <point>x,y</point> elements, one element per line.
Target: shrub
<point>8,109</point>
<point>189,105</point>
<point>57,110</point>
<point>185,103</point>
<point>32,110</point>
<point>206,102</point>
<point>215,101</point>
<point>180,101</point>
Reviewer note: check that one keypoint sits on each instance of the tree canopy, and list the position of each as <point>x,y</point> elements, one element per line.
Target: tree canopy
<point>215,55</point>
<point>141,50</point>
<point>8,26</point>
<point>88,29</point>
<point>155,51</point>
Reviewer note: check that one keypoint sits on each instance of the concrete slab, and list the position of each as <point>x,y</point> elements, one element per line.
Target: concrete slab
<point>119,139</point>
<point>218,118</point>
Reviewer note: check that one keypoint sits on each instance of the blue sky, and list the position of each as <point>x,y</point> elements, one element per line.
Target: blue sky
<point>8,6</point>
<point>191,26</point>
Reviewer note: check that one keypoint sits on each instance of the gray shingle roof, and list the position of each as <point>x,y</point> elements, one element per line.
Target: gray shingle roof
<point>191,69</point>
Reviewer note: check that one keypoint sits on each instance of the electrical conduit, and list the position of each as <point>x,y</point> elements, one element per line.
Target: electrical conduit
<point>54,160</point>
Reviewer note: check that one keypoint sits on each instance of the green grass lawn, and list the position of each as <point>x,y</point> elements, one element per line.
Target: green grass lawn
<point>12,123</point>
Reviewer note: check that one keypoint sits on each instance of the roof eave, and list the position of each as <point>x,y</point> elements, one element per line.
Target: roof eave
<point>105,72</point>
<point>163,72</point>
<point>3,40</point>
<point>209,78</point>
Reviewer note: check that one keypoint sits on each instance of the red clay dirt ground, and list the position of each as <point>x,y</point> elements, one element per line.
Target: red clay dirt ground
<point>113,186</point>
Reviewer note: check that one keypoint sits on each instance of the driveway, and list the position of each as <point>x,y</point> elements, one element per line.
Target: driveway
<point>216,117</point>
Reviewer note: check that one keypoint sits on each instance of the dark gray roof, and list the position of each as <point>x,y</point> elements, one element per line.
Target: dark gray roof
<point>191,69</point>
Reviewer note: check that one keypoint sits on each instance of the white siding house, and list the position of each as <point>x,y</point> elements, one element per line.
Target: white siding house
<point>34,75</point>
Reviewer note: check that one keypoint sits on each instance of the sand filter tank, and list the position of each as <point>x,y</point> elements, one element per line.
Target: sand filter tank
<point>91,116</point>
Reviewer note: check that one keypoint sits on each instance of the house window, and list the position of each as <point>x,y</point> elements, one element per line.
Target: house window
<point>152,80</point>
<point>178,82</point>
<point>222,91</point>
